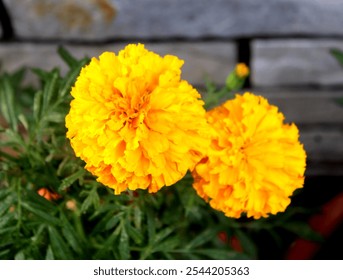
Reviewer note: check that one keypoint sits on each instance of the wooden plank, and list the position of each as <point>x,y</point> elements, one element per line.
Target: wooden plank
<point>113,19</point>
<point>208,59</point>
<point>305,106</point>
<point>296,62</point>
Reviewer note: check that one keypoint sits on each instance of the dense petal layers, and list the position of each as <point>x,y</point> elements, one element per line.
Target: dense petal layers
<point>255,162</point>
<point>134,122</point>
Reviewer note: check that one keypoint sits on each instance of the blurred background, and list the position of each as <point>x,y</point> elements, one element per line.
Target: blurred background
<point>286,44</point>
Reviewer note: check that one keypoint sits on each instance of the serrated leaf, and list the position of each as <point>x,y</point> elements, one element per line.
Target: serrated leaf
<point>55,117</point>
<point>249,247</point>
<point>50,90</point>
<point>17,77</point>
<point>49,219</point>
<point>113,221</point>
<point>338,54</point>
<point>91,199</point>
<point>202,238</point>
<point>72,238</point>
<point>58,246</point>
<point>19,256</point>
<point>37,105</point>
<point>135,234</point>
<point>49,254</point>
<point>4,193</point>
<point>124,249</point>
<point>101,224</point>
<point>6,219</point>
<point>71,78</point>
<point>67,57</point>
<point>167,245</point>
<point>137,217</point>
<point>68,181</point>
<point>14,138</point>
<point>42,74</point>
<point>151,226</point>
<point>4,253</point>
<point>7,102</point>
<point>217,254</point>
<point>5,204</point>
<point>23,121</point>
<point>303,230</point>
<point>8,229</point>
<point>162,234</point>
<point>40,202</point>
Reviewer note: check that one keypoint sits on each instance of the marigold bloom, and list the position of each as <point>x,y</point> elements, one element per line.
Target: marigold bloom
<point>134,122</point>
<point>255,162</point>
<point>242,70</point>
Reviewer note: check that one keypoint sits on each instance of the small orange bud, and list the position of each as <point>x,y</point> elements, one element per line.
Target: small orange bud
<point>242,70</point>
<point>48,195</point>
<point>71,204</point>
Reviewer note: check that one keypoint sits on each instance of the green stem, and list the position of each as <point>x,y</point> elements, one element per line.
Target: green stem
<point>19,207</point>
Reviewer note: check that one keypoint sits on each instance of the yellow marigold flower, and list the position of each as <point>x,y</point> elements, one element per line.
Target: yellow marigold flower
<point>134,122</point>
<point>242,70</point>
<point>255,162</point>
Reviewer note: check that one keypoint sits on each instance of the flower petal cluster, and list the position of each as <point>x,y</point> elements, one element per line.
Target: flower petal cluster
<point>134,122</point>
<point>255,161</point>
<point>242,70</point>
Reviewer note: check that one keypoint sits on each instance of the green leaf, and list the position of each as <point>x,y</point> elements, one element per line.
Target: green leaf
<point>137,217</point>
<point>71,77</point>
<point>55,117</point>
<point>167,245</point>
<point>6,204</point>
<point>67,57</point>
<point>58,245</point>
<point>249,247</point>
<point>7,219</point>
<point>206,236</point>
<point>151,226</point>
<point>17,77</point>
<point>134,233</point>
<point>113,221</point>
<point>124,249</point>
<point>23,121</point>
<point>338,54</point>
<point>91,199</point>
<point>69,232</point>
<point>43,75</point>
<point>46,217</point>
<point>8,229</point>
<point>7,102</point>
<point>19,256</point>
<point>101,224</point>
<point>4,253</point>
<point>303,230</point>
<point>49,254</point>
<point>68,181</point>
<point>217,254</point>
<point>37,105</point>
<point>50,90</point>
<point>40,202</point>
<point>162,234</point>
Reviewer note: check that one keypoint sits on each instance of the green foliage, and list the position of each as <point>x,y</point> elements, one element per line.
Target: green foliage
<point>83,219</point>
<point>338,54</point>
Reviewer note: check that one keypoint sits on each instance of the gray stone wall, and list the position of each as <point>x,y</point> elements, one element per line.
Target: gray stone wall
<point>285,42</point>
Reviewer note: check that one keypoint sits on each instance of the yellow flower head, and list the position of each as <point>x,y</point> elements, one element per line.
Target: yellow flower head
<point>255,162</point>
<point>242,70</point>
<point>134,122</point>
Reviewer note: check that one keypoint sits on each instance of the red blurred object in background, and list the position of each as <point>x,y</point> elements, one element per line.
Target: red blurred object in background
<point>325,223</point>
